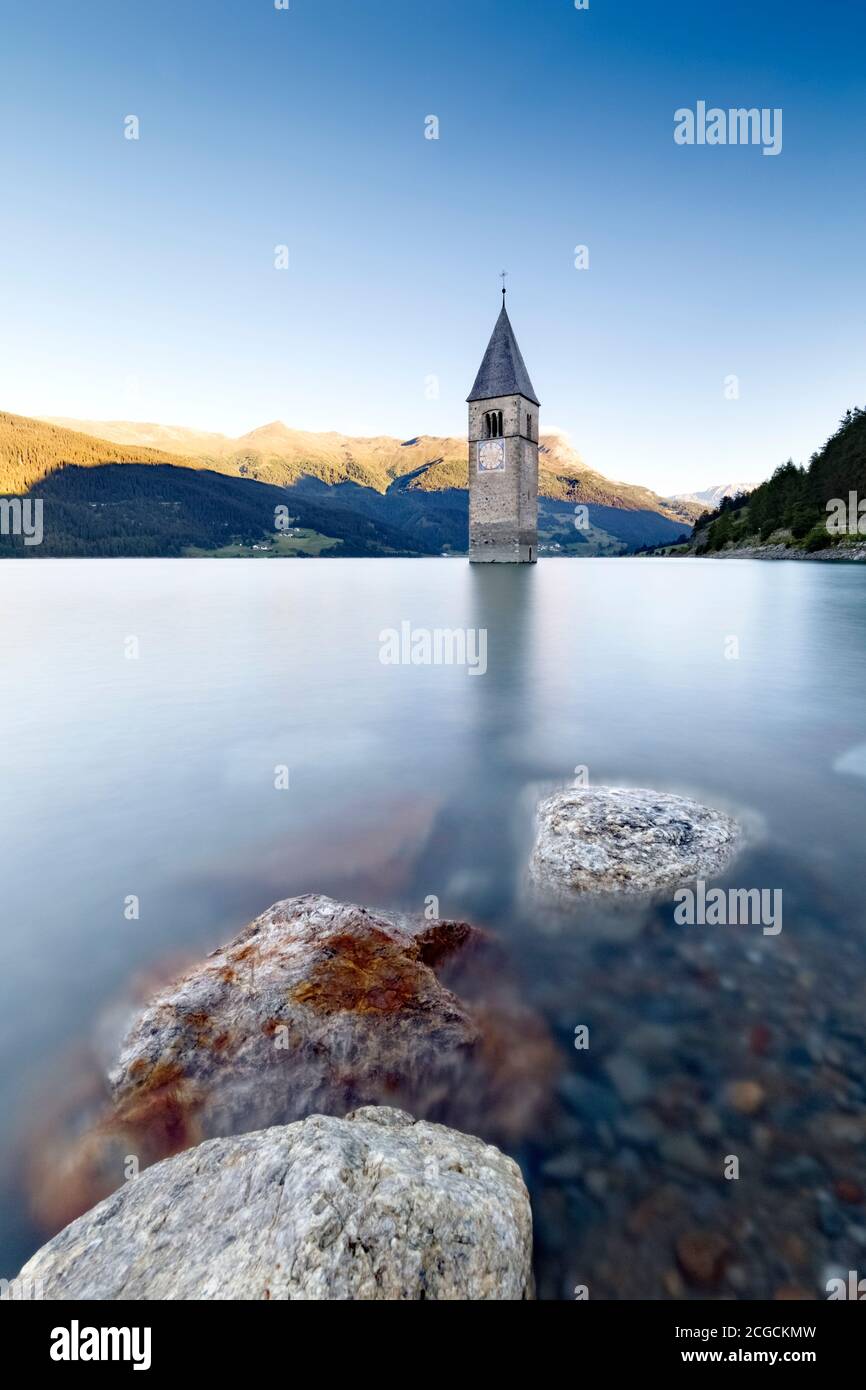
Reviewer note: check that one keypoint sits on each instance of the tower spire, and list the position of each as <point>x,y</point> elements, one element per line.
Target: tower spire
<point>502,371</point>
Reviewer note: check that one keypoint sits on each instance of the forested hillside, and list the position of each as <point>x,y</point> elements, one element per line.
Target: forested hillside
<point>130,509</point>
<point>31,449</point>
<point>791,507</point>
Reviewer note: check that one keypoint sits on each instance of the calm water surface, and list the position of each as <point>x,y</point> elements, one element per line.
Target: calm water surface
<point>155,777</point>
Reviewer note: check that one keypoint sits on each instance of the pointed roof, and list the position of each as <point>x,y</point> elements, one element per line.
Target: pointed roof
<point>503,371</point>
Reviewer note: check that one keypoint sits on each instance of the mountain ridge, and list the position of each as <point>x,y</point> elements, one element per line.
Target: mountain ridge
<point>278,454</point>
<point>713,495</point>
<point>214,495</point>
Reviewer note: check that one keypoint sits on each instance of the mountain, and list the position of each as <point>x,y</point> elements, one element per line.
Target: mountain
<point>31,449</point>
<point>274,453</point>
<point>711,497</point>
<point>347,495</point>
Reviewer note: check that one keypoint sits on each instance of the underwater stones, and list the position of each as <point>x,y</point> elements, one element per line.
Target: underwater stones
<point>629,1077</point>
<point>372,1206</point>
<point>319,1006</point>
<point>622,841</point>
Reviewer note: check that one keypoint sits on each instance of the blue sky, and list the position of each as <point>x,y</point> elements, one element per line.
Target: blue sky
<point>138,276</point>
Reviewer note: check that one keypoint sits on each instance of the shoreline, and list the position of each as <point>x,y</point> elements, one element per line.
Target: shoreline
<point>854,554</point>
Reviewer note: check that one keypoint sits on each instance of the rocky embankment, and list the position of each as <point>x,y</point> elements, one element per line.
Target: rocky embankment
<point>372,1206</point>
<point>790,552</point>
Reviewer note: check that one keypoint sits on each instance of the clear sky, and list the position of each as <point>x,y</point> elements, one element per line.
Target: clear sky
<point>138,277</point>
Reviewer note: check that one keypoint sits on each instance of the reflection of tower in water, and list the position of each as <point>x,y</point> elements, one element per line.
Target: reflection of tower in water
<point>501,602</point>
<point>478,824</point>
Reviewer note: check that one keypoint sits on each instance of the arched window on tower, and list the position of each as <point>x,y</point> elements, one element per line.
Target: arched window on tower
<point>528,425</point>
<point>493,424</point>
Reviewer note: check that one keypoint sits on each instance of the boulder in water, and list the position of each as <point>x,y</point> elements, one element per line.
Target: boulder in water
<point>606,841</point>
<point>372,1206</point>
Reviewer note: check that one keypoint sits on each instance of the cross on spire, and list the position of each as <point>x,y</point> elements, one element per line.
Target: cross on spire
<point>502,275</point>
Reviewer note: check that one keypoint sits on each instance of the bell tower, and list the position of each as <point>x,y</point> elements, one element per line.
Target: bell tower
<point>503,454</point>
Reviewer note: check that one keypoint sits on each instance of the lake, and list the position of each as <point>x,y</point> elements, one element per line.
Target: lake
<point>206,737</point>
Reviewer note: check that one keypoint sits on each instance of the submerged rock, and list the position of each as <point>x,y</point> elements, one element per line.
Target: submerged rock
<point>315,1007</point>
<point>746,1097</point>
<point>324,1006</point>
<point>373,1206</point>
<point>621,840</point>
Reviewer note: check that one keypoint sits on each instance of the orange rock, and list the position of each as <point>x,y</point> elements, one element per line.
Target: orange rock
<point>746,1097</point>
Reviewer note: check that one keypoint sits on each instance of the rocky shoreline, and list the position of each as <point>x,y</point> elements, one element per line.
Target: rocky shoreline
<point>854,553</point>
<point>322,1108</point>
<point>255,1141</point>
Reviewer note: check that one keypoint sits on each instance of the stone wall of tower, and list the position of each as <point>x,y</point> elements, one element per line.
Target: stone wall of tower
<point>527,502</point>
<point>503,506</point>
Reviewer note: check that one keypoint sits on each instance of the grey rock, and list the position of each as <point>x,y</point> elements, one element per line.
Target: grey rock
<point>682,1151</point>
<point>830,1219</point>
<point>566,1166</point>
<point>597,1182</point>
<point>801,1169</point>
<point>629,1077</point>
<point>586,1099</point>
<point>629,1162</point>
<point>641,1128</point>
<point>651,1039</point>
<point>626,841</point>
<point>373,1206</point>
<point>708,1123</point>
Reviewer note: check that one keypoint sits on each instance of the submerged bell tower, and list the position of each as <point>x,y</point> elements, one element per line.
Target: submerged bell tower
<point>503,454</point>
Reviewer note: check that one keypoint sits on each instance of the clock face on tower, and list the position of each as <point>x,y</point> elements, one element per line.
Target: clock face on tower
<point>491,456</point>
